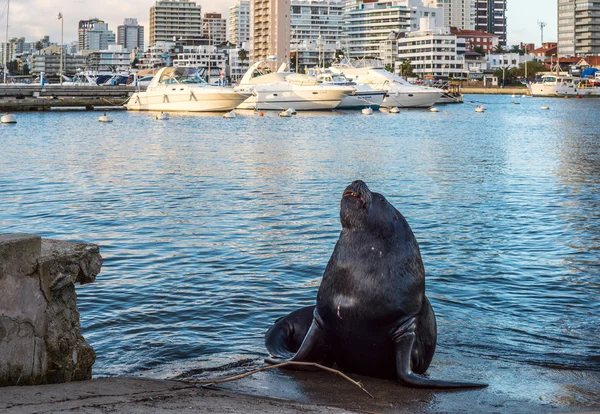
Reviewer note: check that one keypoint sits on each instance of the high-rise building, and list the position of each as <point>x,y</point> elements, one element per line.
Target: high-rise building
<point>175,19</point>
<point>316,31</point>
<point>578,28</point>
<point>490,16</point>
<point>99,37</point>
<point>214,27</point>
<point>368,24</point>
<point>130,35</point>
<point>84,27</point>
<point>239,23</point>
<point>456,13</point>
<point>269,30</point>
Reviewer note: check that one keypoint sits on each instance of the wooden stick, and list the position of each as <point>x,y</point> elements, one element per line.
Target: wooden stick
<point>283,364</point>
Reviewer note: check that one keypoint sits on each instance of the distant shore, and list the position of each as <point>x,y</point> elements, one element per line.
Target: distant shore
<point>511,90</point>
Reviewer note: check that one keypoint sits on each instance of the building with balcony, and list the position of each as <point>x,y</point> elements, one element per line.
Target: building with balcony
<point>578,27</point>
<point>456,13</point>
<point>433,51</point>
<point>130,35</point>
<point>82,32</point>
<point>368,23</point>
<point>50,64</point>
<point>269,30</point>
<point>490,16</point>
<point>239,23</point>
<point>214,27</point>
<point>171,20</point>
<point>114,59</point>
<point>474,39</point>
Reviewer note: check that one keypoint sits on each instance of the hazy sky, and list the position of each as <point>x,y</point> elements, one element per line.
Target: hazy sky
<point>33,19</point>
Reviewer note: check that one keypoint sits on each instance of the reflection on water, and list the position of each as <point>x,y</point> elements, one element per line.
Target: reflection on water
<point>211,228</point>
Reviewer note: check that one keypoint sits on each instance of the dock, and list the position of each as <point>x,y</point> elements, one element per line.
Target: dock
<point>46,97</point>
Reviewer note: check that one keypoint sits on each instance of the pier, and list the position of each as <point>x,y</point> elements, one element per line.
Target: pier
<point>47,97</point>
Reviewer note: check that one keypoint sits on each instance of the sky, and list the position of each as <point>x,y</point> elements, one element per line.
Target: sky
<point>33,19</point>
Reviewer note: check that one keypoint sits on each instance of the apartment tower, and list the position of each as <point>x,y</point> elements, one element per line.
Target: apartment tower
<point>171,20</point>
<point>490,16</point>
<point>82,32</point>
<point>269,30</point>
<point>578,28</point>
<point>215,28</point>
<point>239,23</point>
<point>456,13</point>
<point>130,35</point>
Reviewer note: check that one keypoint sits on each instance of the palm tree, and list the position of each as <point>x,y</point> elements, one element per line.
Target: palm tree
<point>406,69</point>
<point>499,49</point>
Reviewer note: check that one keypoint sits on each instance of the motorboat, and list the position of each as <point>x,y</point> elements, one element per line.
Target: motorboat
<point>282,89</point>
<point>399,92</point>
<point>182,89</point>
<point>365,96</point>
<point>555,85</point>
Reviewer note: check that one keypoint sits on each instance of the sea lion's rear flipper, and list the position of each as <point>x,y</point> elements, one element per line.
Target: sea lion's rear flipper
<point>404,339</point>
<point>312,349</point>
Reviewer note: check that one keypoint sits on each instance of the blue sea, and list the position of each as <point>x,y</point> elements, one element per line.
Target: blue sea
<point>212,228</point>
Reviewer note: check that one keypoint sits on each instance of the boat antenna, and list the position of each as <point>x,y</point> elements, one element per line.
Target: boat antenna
<point>5,51</point>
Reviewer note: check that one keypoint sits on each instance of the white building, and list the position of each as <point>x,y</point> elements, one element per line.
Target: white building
<point>368,24</point>
<point>507,60</point>
<point>237,67</point>
<point>456,13</point>
<point>434,52</point>
<point>114,59</point>
<point>177,19</point>
<point>239,23</point>
<point>214,27</point>
<point>199,57</point>
<point>100,37</point>
<point>130,35</point>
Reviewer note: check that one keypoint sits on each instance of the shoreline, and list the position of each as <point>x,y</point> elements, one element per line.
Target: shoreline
<point>513,388</point>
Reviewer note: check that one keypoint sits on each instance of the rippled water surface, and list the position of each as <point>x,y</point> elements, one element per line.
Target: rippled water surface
<point>211,228</point>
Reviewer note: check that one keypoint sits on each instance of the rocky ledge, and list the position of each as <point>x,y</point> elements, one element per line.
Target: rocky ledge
<point>40,337</point>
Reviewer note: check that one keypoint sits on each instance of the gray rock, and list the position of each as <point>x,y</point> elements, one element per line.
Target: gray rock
<point>40,337</point>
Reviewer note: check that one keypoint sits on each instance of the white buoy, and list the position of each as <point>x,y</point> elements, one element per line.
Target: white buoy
<point>545,107</point>
<point>229,114</point>
<point>394,110</point>
<point>285,114</point>
<point>480,109</point>
<point>292,111</point>
<point>9,119</point>
<point>367,111</point>
<point>514,96</point>
<point>105,118</point>
<point>162,116</point>
<point>434,109</point>
<point>523,96</point>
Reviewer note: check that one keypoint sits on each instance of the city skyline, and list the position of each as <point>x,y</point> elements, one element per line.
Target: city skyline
<point>522,17</point>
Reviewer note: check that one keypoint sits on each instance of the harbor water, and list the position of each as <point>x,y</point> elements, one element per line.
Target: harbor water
<point>212,228</point>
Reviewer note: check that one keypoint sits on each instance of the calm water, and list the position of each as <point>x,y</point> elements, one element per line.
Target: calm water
<point>211,228</point>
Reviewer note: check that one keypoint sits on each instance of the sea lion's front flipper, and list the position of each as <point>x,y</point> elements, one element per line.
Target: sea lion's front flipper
<point>313,348</point>
<point>404,339</point>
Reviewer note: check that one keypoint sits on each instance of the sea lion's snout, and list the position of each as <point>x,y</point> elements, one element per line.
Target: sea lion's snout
<point>358,190</point>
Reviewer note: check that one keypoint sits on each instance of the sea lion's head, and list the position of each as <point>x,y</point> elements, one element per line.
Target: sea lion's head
<point>362,209</point>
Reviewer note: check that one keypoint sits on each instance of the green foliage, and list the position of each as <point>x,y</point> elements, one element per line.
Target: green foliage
<point>533,68</point>
<point>406,69</point>
<point>479,50</point>
<point>242,55</point>
<point>499,49</point>
<point>389,68</point>
<point>339,54</point>
<point>135,63</point>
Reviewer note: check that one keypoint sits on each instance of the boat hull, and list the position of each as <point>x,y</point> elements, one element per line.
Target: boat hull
<point>361,100</point>
<point>310,100</point>
<point>185,101</point>
<point>416,99</point>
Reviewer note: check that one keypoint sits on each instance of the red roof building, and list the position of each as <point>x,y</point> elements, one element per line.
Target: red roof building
<point>547,49</point>
<point>477,38</point>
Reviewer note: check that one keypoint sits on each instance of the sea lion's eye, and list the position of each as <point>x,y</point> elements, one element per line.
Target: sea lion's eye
<point>382,200</point>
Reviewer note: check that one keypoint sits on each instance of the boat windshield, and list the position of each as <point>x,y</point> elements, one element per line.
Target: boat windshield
<point>549,79</point>
<point>172,76</point>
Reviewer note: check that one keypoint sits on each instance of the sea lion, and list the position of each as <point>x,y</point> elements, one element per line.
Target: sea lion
<point>372,316</point>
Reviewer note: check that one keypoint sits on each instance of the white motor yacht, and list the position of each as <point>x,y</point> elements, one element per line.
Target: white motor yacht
<point>281,90</point>
<point>399,92</point>
<point>181,89</point>
<point>365,95</point>
<point>560,86</point>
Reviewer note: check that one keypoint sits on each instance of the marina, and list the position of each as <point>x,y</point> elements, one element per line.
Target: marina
<point>211,228</point>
